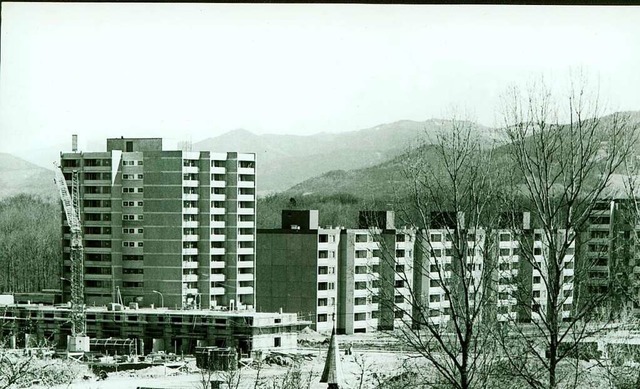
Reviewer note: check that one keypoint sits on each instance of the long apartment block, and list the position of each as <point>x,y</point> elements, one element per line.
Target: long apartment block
<point>517,285</point>
<point>172,228</point>
<point>336,276</point>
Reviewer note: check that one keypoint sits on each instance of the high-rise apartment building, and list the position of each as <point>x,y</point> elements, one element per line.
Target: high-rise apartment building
<point>609,260</point>
<point>172,228</point>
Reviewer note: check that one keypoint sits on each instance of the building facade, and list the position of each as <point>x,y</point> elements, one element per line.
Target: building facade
<point>170,228</point>
<point>349,278</point>
<point>176,331</point>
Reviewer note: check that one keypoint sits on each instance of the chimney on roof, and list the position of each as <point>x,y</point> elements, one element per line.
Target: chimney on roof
<point>74,143</point>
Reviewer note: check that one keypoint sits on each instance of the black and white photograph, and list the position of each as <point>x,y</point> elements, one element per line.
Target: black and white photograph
<point>310,196</point>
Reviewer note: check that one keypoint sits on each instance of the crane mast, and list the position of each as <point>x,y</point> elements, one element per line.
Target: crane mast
<point>70,203</point>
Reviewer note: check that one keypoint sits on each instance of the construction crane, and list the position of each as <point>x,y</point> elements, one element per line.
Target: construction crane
<point>78,342</point>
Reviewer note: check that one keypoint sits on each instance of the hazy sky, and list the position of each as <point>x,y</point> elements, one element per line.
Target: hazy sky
<point>183,71</point>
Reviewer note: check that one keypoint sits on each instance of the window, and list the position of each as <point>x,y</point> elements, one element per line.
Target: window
<point>360,316</point>
<point>323,302</point>
<point>435,237</point>
<point>399,268</point>
<point>434,298</point>
<point>437,253</point>
<point>277,341</point>
<point>326,285</point>
<point>433,268</point>
<point>434,283</point>
<point>399,253</point>
<point>398,299</point>
<point>360,285</point>
<point>323,270</point>
<point>361,253</point>
<point>361,270</point>
<point>536,279</point>
<point>536,294</point>
<point>399,284</point>
<point>537,251</point>
<point>323,238</point>
<point>398,314</point>
<point>323,254</point>
<point>505,252</point>
<point>322,318</point>
<point>360,301</point>
<point>361,237</point>
<point>400,238</point>
<point>505,237</point>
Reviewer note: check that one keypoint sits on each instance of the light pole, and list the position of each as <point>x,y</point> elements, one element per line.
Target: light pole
<point>161,298</point>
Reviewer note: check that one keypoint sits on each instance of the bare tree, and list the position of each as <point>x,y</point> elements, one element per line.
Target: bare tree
<point>455,197</point>
<point>562,168</point>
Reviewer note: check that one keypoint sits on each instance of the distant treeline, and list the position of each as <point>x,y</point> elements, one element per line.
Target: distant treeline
<point>340,209</point>
<point>30,246</point>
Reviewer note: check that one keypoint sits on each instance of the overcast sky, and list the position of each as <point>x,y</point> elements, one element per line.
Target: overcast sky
<point>192,71</point>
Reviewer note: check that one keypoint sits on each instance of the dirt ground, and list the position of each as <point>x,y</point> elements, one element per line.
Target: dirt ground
<point>166,377</point>
<point>371,353</point>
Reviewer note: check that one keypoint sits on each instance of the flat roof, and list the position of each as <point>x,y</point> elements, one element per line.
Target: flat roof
<point>146,310</point>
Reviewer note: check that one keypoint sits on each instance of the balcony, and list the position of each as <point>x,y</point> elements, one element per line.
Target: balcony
<point>217,264</point>
<point>246,197</point>
<point>218,197</point>
<point>217,251</point>
<point>189,211</point>
<point>246,170</point>
<point>217,291</point>
<point>245,277</point>
<point>246,211</point>
<point>190,224</point>
<point>245,290</point>
<point>190,196</point>
<point>190,169</point>
<point>189,251</point>
<point>193,291</point>
<point>189,265</point>
<point>217,211</point>
<point>246,184</point>
<point>246,238</point>
<point>245,264</point>
<point>217,277</point>
<point>190,238</point>
<point>190,183</point>
<point>218,238</point>
<point>218,224</point>
<point>218,184</point>
<point>218,170</point>
<point>243,225</point>
<point>243,251</point>
<point>190,278</point>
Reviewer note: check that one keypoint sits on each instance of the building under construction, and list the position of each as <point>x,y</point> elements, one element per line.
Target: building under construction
<point>156,329</point>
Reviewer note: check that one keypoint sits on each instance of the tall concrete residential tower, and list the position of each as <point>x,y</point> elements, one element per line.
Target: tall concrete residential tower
<point>172,228</point>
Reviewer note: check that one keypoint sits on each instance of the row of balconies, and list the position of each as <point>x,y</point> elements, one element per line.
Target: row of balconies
<point>218,251</point>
